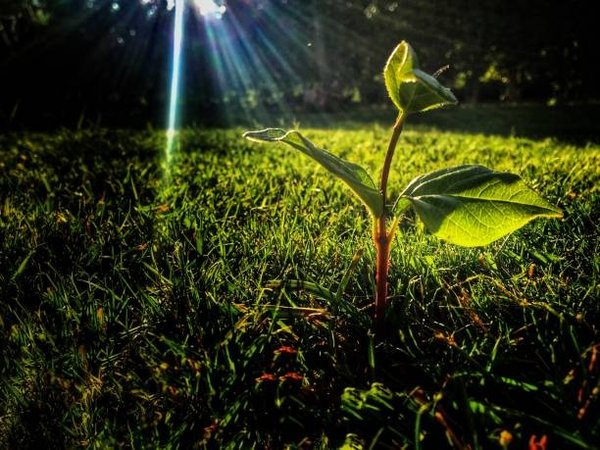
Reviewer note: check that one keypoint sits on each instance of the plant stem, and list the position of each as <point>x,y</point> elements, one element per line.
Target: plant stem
<point>380,235</point>
<point>382,266</point>
<point>387,164</point>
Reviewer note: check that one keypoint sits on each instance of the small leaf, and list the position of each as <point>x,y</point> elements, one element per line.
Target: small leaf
<point>411,89</point>
<point>422,92</point>
<point>352,174</point>
<point>399,65</point>
<point>472,205</point>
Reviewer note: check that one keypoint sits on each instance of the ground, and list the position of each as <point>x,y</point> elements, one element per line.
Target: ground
<point>225,301</point>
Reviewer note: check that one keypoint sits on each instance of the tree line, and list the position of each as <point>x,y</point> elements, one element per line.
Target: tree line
<point>102,60</point>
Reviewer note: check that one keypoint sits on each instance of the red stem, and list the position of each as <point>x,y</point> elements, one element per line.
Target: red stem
<point>382,247</point>
<point>380,234</point>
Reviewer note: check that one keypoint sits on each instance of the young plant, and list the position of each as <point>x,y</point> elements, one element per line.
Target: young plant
<point>468,205</point>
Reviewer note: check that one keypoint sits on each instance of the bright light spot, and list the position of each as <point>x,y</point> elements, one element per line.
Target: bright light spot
<point>170,5</point>
<point>171,134</point>
<point>210,8</point>
<point>115,6</point>
<point>152,11</point>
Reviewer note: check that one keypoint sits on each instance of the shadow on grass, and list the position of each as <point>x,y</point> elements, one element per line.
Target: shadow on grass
<point>577,124</point>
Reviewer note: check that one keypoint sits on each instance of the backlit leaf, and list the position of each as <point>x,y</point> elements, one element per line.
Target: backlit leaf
<point>472,205</point>
<point>352,174</point>
<point>422,92</point>
<point>399,65</point>
<point>411,89</point>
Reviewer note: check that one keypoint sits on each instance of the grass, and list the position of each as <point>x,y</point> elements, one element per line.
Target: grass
<point>144,311</point>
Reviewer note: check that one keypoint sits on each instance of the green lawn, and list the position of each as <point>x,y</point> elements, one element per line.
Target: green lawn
<point>150,311</point>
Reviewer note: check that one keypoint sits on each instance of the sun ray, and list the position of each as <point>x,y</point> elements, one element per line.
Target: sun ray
<point>173,123</point>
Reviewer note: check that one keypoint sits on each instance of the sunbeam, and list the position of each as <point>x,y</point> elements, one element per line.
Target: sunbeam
<point>178,31</point>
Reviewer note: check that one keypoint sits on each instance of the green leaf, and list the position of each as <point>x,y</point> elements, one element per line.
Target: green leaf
<point>352,174</point>
<point>422,92</point>
<point>472,205</point>
<point>399,65</point>
<point>411,89</point>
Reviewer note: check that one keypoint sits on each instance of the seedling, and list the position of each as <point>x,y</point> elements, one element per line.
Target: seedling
<point>468,205</point>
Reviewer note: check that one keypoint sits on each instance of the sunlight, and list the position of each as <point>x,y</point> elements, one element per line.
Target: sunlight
<point>209,8</point>
<point>175,77</point>
<point>249,80</point>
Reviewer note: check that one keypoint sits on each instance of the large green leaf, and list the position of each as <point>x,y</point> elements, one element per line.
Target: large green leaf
<point>411,89</point>
<point>472,205</point>
<point>352,174</point>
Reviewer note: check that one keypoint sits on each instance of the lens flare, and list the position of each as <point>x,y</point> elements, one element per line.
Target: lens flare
<point>175,77</point>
